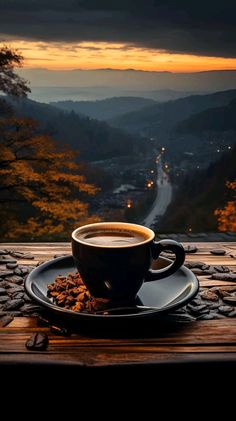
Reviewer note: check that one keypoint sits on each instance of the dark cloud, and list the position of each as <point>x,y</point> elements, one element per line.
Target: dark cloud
<point>197,27</point>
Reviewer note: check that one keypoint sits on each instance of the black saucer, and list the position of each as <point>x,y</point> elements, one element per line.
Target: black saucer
<point>167,294</point>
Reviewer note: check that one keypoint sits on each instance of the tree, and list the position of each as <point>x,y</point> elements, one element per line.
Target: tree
<point>42,192</point>
<point>227,216</point>
<point>10,82</point>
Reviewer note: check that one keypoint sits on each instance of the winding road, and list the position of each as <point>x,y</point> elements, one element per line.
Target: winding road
<point>163,198</point>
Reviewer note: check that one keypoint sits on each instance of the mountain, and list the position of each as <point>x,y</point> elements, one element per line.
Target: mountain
<point>95,140</point>
<point>159,119</point>
<point>217,119</point>
<point>131,80</point>
<point>105,109</point>
<point>199,196</point>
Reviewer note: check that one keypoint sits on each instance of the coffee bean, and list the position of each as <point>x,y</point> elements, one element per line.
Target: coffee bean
<point>230,300</point>
<point>5,320</point>
<point>16,288</point>
<point>196,302</point>
<point>200,272</point>
<point>26,269</point>
<point>192,265</point>
<point>15,279</point>
<point>227,288</point>
<point>209,295</point>
<point>205,267</point>
<point>21,255</point>
<point>181,317</point>
<point>6,259</point>
<point>214,306</point>
<point>2,252</point>
<point>30,308</point>
<point>2,291</point>
<point>225,309</point>
<point>197,309</point>
<point>209,316</point>
<point>17,295</point>
<point>4,299</point>
<point>218,252</point>
<point>190,249</point>
<point>13,304</point>
<point>37,342</point>
<point>11,265</point>
<point>28,256</point>
<point>218,316</point>
<point>4,273</point>
<point>224,276</point>
<point>18,271</point>
<point>221,269</point>
<point>4,284</point>
<point>223,293</point>
<point>16,313</point>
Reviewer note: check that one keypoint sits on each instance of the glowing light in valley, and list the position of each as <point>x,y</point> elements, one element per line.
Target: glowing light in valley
<point>95,55</point>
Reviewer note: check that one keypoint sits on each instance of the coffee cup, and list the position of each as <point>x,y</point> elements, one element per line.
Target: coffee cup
<point>114,258</point>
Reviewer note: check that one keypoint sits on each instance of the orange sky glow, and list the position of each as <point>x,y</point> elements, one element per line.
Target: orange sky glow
<point>89,55</point>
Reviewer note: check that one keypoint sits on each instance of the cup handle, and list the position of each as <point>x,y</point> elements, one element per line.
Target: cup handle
<point>166,245</point>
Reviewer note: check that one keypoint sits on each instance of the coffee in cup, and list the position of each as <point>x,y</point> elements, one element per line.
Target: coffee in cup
<point>114,258</point>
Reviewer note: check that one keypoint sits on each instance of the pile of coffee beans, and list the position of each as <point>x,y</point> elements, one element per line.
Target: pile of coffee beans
<point>14,302</point>
<point>71,293</point>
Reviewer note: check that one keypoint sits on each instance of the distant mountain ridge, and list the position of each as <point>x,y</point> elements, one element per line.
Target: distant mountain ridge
<point>160,119</point>
<point>213,119</point>
<point>93,139</point>
<point>104,109</point>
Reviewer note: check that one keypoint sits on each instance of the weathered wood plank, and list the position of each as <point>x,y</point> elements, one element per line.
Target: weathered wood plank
<point>204,340</point>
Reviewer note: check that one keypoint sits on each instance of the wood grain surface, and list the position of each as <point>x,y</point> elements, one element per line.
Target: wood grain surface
<point>209,340</point>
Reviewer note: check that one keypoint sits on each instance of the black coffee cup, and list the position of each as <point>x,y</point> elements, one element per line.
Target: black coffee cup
<point>114,258</point>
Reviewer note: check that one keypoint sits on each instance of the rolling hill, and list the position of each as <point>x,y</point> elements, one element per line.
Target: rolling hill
<point>95,140</point>
<point>160,119</point>
<point>105,109</point>
<point>213,119</point>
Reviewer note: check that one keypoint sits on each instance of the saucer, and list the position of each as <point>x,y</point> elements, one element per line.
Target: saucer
<point>166,294</point>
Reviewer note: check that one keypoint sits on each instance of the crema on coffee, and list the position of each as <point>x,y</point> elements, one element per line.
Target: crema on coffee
<point>112,237</point>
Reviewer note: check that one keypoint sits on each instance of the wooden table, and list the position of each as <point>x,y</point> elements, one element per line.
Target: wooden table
<point>194,342</point>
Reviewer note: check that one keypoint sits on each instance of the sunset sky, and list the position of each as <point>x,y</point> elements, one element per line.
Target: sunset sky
<point>139,34</point>
<point>99,55</point>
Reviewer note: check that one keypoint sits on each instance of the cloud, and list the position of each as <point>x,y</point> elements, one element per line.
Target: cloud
<point>201,28</point>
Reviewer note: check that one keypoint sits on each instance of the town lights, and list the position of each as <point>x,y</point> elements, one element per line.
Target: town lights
<point>129,204</point>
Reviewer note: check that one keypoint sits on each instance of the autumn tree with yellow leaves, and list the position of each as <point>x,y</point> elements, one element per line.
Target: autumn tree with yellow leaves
<point>227,216</point>
<point>43,193</point>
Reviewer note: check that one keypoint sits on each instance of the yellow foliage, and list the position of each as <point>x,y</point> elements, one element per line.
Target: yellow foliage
<point>227,216</point>
<point>46,183</point>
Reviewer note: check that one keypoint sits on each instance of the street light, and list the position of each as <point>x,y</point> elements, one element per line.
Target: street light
<point>163,149</point>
